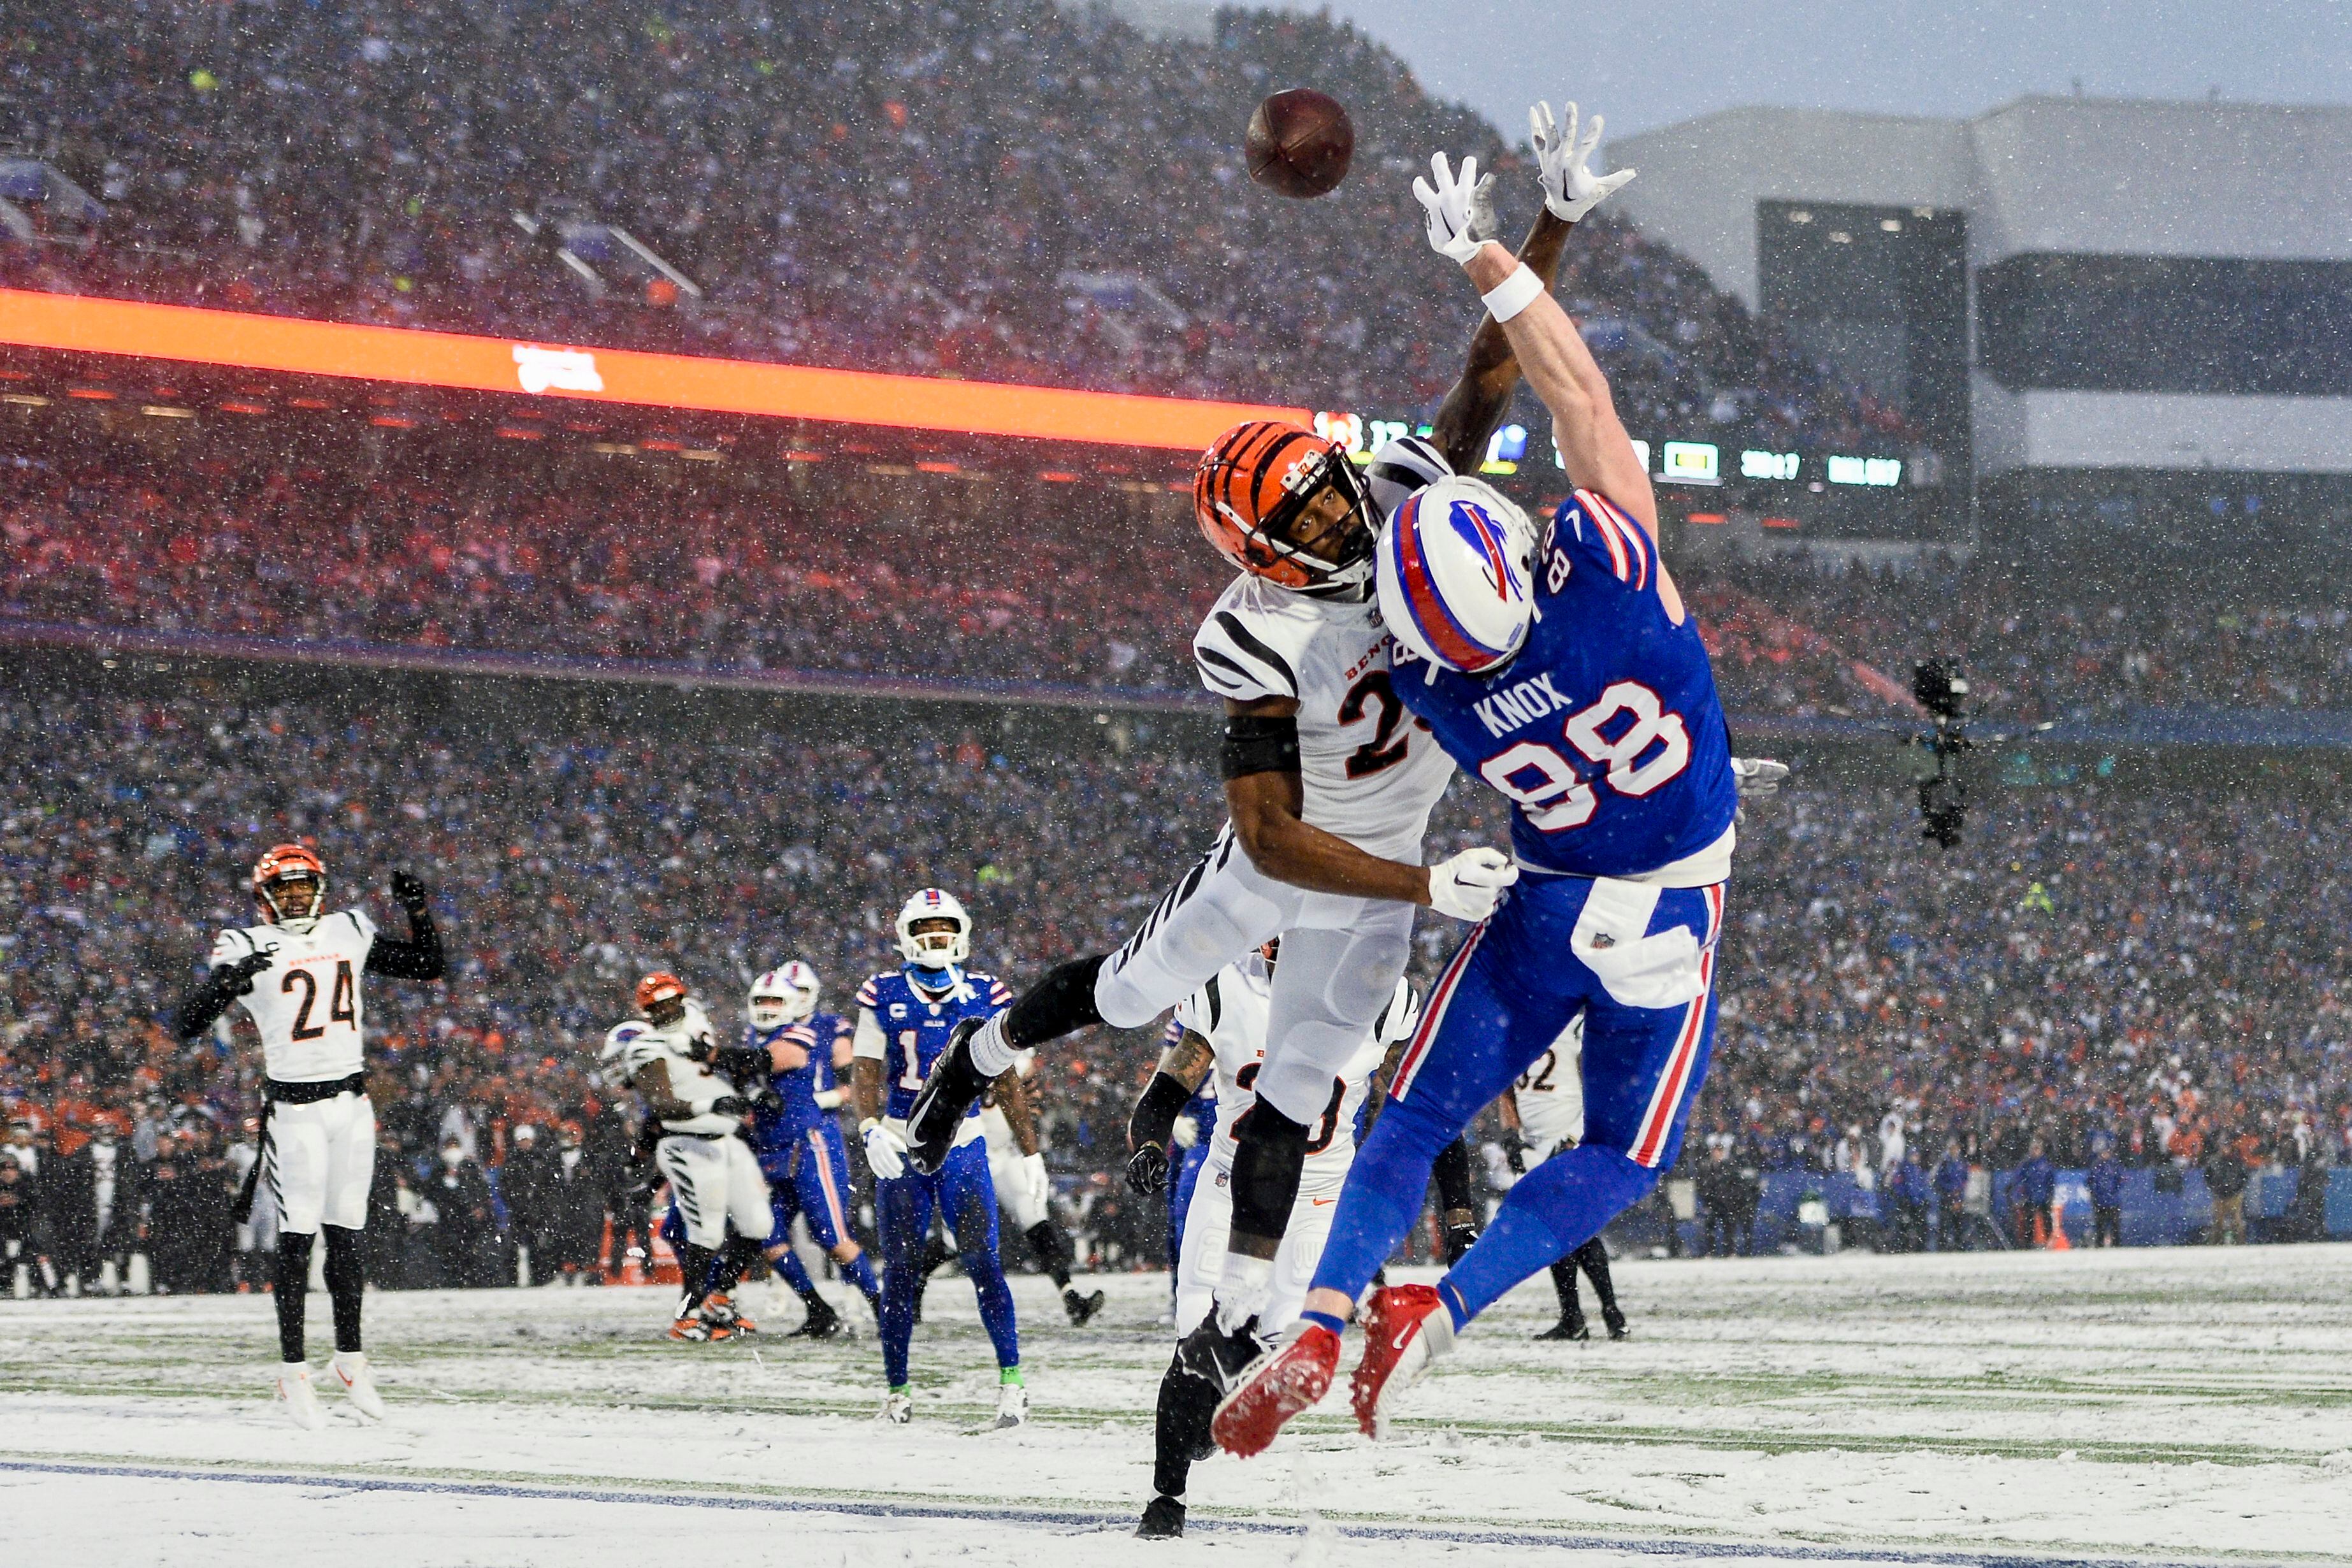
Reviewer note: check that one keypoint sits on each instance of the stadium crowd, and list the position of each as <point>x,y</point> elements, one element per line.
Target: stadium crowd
<point>2105,967</point>
<point>1004,189</point>
<point>911,575</point>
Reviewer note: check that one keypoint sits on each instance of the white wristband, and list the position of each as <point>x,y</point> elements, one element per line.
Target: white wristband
<point>1514,294</point>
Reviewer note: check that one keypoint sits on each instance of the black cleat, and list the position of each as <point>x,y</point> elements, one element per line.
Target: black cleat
<point>822,1322</point>
<point>947,1094</point>
<point>1164,1520</point>
<point>1218,1359</point>
<point>1082,1310</point>
<point>1616,1322</point>
<point>1459,1238</point>
<point>1567,1327</point>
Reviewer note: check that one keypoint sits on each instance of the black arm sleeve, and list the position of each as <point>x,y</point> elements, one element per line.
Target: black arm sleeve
<point>1154,1120</point>
<point>1452,1173</point>
<point>419,958</point>
<point>200,1007</point>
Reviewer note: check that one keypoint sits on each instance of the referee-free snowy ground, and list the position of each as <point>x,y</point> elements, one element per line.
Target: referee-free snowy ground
<point>2166,1406</point>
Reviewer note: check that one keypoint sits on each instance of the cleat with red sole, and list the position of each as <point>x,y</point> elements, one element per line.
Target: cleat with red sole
<point>1406,1328</point>
<point>1282,1384</point>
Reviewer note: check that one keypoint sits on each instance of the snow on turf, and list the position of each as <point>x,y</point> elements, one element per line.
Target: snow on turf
<point>2178,1403</point>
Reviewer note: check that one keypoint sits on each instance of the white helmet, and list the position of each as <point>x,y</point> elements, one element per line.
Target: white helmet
<point>934,950</point>
<point>782,995</point>
<point>617,1039</point>
<point>1453,575</point>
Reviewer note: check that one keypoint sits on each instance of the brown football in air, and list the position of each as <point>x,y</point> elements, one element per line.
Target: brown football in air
<point>1299,143</point>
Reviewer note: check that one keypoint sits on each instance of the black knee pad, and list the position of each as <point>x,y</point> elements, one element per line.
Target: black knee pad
<point>1271,1150</point>
<point>1060,1004</point>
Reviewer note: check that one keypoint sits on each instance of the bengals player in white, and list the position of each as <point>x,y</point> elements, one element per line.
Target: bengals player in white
<point>297,975</point>
<point>1328,783</point>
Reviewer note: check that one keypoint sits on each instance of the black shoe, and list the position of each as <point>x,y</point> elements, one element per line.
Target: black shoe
<point>822,1322</point>
<point>1164,1520</point>
<point>1616,1322</point>
<point>1218,1359</point>
<point>1459,1238</point>
<point>1567,1327</point>
<point>1081,1310</point>
<point>947,1094</point>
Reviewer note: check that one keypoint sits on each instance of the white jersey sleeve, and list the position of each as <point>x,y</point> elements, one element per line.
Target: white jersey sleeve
<point>1249,657</point>
<point>1400,467</point>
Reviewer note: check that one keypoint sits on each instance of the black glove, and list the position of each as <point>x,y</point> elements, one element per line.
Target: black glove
<point>730,1106</point>
<point>410,893</point>
<point>236,979</point>
<point>1147,1170</point>
<point>765,1099</point>
<point>1515,1153</point>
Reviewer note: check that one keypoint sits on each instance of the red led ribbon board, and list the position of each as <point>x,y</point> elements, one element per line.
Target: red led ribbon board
<point>395,354</point>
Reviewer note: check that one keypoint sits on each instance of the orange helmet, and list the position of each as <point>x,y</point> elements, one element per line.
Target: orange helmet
<point>289,864</point>
<point>1254,485</point>
<point>661,986</point>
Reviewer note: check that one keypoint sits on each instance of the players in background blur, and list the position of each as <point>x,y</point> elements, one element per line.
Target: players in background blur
<point>1026,1195</point>
<point>671,1059</point>
<point>318,1150</point>
<point>1543,1115</point>
<point>905,1017</point>
<point>798,1137</point>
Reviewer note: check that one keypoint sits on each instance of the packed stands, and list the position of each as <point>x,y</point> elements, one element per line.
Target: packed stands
<point>999,189</point>
<point>2104,964</point>
<point>1008,579</point>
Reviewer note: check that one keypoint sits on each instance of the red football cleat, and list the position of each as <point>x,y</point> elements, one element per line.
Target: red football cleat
<point>1280,1385</point>
<point>1406,1327</point>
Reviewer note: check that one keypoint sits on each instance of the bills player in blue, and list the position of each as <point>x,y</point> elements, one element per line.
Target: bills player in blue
<point>904,1019</point>
<point>1567,673</point>
<point>799,1139</point>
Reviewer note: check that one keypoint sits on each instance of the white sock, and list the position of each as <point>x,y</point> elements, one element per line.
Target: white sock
<point>991,1053</point>
<point>1243,1290</point>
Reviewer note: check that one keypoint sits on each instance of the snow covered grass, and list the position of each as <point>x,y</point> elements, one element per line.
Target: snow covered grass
<point>2173,1405</point>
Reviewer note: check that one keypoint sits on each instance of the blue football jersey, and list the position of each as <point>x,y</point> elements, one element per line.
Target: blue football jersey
<point>915,1022</point>
<point>778,1128</point>
<point>1604,729</point>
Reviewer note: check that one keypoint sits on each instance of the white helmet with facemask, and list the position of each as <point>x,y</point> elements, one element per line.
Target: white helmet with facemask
<point>786,994</point>
<point>934,950</point>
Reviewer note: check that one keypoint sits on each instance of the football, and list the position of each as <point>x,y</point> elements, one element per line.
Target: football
<point>1299,143</point>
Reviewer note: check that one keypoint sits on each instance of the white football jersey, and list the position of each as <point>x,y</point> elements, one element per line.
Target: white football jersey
<point>689,1079</point>
<point>1550,1093</point>
<point>1230,1013</point>
<point>1371,772</point>
<point>306,1005</point>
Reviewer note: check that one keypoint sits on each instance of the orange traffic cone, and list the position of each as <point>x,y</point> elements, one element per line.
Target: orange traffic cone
<point>2058,1242</point>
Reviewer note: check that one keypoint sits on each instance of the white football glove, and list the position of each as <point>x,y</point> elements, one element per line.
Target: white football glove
<point>1570,189</point>
<point>1469,885</point>
<point>886,1150</point>
<point>1459,210</point>
<point>1033,1177</point>
<point>1185,1133</point>
<point>1759,777</point>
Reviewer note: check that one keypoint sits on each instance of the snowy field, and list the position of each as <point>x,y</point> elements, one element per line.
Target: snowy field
<point>2165,1406</point>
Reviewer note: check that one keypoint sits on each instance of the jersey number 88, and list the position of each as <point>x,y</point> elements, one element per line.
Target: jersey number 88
<point>1559,799</point>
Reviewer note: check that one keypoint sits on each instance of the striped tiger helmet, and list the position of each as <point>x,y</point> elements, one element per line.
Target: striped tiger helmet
<point>289,882</point>
<point>1260,491</point>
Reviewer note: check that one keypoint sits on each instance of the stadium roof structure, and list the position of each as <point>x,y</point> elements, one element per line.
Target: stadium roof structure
<point>566,373</point>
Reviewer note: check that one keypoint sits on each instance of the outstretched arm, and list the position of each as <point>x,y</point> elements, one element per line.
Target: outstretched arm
<point>419,958</point>
<point>1475,405</point>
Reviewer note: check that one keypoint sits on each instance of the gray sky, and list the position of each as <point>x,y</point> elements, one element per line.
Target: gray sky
<point>1651,64</point>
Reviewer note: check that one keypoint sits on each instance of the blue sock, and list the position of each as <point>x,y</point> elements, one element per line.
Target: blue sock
<point>1386,1188</point>
<point>1324,1320</point>
<point>995,1304</point>
<point>792,1271</point>
<point>859,1272</point>
<point>1555,1208</point>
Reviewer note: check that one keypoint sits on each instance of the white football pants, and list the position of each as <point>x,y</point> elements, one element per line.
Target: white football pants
<point>1208,1225</point>
<point>714,1181</point>
<point>1340,960</point>
<point>319,1161</point>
